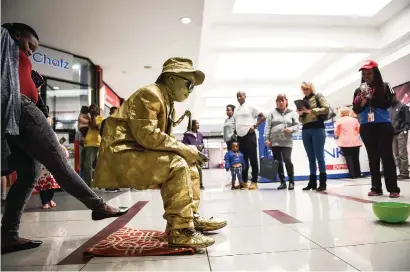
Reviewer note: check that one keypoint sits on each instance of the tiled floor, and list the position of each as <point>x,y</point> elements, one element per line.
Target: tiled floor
<point>334,233</point>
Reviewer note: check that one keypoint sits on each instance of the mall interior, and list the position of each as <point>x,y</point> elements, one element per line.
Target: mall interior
<point>268,53</point>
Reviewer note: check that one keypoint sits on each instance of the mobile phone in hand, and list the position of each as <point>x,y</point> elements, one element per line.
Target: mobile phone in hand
<point>37,79</point>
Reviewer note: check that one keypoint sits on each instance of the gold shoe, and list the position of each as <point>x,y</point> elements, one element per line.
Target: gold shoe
<point>254,186</point>
<point>189,238</point>
<point>154,187</point>
<point>244,185</point>
<point>202,224</point>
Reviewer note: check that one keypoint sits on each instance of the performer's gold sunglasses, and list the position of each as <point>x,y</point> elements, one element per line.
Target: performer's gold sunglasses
<point>189,84</point>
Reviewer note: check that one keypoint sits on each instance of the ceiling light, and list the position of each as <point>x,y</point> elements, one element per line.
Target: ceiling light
<point>264,66</point>
<point>343,64</point>
<point>362,8</point>
<point>147,66</point>
<point>76,67</point>
<point>56,88</point>
<point>285,42</point>
<point>186,20</point>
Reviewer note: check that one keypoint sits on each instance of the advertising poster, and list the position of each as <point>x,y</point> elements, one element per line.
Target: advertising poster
<point>335,162</point>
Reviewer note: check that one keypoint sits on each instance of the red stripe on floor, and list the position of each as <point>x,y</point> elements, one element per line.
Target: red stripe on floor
<point>282,217</point>
<point>348,197</point>
<point>77,257</point>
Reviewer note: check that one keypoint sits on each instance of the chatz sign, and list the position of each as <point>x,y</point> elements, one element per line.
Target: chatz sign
<point>44,59</point>
<point>53,63</point>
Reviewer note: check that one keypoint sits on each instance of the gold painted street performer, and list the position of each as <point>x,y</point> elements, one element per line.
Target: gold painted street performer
<point>139,151</point>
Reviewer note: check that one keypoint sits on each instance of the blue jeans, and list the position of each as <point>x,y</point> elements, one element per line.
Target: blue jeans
<point>314,143</point>
<point>236,172</point>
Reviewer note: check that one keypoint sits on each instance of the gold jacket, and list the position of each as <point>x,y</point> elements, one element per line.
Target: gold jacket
<point>136,148</point>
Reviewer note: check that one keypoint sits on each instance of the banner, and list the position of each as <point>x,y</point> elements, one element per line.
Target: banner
<point>336,167</point>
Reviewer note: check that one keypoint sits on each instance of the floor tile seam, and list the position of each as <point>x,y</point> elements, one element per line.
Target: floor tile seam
<point>375,243</point>
<point>392,226</point>
<point>265,252</point>
<point>159,258</point>
<point>209,261</point>
<point>340,258</point>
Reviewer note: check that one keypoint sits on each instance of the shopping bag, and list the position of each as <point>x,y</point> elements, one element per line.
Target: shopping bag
<point>268,167</point>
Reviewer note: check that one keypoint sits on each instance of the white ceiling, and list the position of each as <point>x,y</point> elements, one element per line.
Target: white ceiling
<point>254,49</point>
<point>122,36</point>
<point>255,46</point>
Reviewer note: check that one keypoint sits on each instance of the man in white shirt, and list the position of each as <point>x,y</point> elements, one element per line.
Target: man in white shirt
<point>245,116</point>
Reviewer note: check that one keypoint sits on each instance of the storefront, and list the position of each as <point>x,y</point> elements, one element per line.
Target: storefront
<point>70,82</point>
<point>108,99</point>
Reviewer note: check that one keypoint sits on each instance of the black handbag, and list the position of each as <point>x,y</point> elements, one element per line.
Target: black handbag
<point>268,167</point>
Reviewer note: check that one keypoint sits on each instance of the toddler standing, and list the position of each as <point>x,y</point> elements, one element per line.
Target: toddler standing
<point>235,162</point>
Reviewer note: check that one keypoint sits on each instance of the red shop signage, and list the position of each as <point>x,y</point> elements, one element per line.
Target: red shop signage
<point>111,98</point>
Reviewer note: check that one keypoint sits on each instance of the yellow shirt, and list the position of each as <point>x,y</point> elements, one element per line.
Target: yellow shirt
<point>93,137</point>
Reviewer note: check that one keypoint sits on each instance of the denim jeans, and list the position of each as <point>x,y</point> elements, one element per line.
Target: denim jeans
<point>37,142</point>
<point>236,172</point>
<point>314,143</point>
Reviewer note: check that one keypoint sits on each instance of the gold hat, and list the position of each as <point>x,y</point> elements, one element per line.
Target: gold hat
<point>181,65</point>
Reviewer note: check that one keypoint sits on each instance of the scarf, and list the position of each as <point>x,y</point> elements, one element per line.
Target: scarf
<point>10,90</point>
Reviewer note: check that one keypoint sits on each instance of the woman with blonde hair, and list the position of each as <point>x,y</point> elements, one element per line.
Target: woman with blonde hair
<point>312,117</point>
<point>347,129</point>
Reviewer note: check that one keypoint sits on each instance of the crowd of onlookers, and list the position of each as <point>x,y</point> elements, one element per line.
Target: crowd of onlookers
<point>379,120</point>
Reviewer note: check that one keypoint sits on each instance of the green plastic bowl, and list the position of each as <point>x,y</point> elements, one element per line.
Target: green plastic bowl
<point>392,212</point>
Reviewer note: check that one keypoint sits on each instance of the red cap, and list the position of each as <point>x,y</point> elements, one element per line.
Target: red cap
<point>370,64</point>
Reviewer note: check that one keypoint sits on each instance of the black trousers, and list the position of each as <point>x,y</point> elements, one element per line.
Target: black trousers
<point>378,140</point>
<point>229,145</point>
<point>351,155</point>
<point>248,147</point>
<point>46,196</point>
<point>283,155</point>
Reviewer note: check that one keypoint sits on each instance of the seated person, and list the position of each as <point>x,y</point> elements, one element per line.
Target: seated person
<point>138,150</point>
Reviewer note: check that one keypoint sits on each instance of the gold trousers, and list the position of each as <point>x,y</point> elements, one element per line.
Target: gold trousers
<point>181,194</point>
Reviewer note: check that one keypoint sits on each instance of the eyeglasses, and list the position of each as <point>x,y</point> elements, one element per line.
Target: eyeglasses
<point>189,84</point>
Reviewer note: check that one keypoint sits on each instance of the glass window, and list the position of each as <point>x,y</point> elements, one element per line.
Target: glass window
<point>65,101</point>
<point>83,71</point>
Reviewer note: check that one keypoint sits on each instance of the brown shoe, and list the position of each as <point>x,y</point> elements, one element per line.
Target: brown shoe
<point>244,185</point>
<point>18,245</point>
<point>108,212</point>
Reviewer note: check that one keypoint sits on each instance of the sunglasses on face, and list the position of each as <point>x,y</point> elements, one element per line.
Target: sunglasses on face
<point>189,84</point>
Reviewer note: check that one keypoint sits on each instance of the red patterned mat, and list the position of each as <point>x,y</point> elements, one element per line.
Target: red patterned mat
<point>127,242</point>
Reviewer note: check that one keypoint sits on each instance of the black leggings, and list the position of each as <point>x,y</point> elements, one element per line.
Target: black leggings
<point>248,147</point>
<point>378,140</point>
<point>351,155</point>
<point>46,196</point>
<point>283,154</point>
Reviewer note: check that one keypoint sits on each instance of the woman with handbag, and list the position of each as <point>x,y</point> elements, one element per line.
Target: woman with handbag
<point>281,123</point>
<point>229,127</point>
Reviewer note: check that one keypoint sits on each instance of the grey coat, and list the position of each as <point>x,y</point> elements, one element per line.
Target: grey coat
<point>276,122</point>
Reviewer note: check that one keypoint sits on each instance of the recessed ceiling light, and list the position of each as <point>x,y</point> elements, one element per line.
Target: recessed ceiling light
<point>186,20</point>
<point>56,88</point>
<point>147,66</point>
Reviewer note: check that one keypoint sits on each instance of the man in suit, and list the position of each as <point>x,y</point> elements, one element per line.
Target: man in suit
<point>138,151</point>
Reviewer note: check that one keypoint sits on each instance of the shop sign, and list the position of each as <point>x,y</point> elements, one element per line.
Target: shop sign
<point>111,98</point>
<point>53,63</point>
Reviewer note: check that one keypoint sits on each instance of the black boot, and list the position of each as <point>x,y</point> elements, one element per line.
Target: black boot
<point>291,185</point>
<point>322,179</point>
<point>282,185</point>
<point>312,185</point>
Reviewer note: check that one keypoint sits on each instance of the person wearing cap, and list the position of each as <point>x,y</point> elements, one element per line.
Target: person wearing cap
<point>138,150</point>
<point>371,102</point>
<point>400,116</point>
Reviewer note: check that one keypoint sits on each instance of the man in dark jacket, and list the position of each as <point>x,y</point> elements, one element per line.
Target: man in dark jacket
<point>400,117</point>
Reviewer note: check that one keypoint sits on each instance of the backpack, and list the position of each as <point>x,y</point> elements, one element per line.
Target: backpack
<point>325,117</point>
